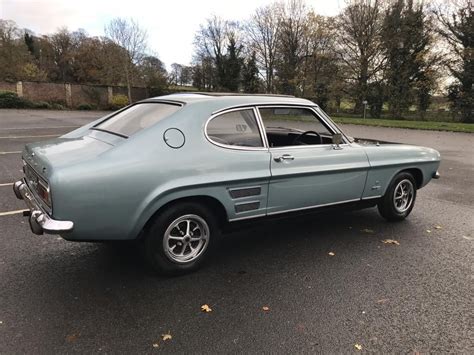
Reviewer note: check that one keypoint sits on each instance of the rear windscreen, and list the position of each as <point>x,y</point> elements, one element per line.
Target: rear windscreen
<point>137,117</point>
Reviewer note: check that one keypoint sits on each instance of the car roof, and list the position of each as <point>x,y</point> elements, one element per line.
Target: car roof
<point>232,99</point>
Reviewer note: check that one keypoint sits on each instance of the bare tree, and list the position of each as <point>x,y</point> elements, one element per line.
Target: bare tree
<point>211,42</point>
<point>263,30</point>
<point>360,26</point>
<point>456,27</point>
<point>133,39</point>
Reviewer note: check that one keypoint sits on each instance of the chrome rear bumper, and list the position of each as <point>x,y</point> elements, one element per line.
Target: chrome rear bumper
<point>40,221</point>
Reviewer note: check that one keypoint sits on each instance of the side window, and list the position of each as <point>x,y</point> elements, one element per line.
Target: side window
<point>237,128</point>
<point>290,126</point>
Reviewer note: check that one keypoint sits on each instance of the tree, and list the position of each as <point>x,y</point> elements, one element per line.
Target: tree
<point>406,40</point>
<point>185,79</point>
<point>176,70</point>
<point>154,75</point>
<point>13,51</point>
<point>211,43</point>
<point>250,76</point>
<point>320,67</point>
<point>232,65</point>
<point>456,27</point>
<point>262,37</point>
<point>133,40</point>
<point>360,26</point>
<point>291,44</point>
<point>63,46</point>
<point>204,73</point>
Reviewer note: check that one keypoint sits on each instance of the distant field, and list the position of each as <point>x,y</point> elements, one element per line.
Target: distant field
<point>426,125</point>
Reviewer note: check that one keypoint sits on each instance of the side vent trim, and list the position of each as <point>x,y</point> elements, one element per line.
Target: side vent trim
<point>247,206</point>
<point>245,192</point>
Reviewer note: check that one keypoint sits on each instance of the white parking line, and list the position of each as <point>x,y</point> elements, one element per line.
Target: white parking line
<point>11,212</point>
<point>7,184</point>
<point>17,137</point>
<point>16,152</point>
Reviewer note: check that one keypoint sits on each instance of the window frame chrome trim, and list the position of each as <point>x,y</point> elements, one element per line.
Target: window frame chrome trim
<point>257,104</point>
<point>328,125</point>
<point>238,147</point>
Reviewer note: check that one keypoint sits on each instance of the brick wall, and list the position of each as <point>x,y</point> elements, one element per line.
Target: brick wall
<point>7,86</point>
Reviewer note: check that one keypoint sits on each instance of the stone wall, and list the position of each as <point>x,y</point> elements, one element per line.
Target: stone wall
<point>72,95</point>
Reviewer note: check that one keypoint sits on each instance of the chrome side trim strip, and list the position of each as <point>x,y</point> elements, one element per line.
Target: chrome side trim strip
<point>247,217</point>
<point>371,197</point>
<point>315,206</point>
<point>295,209</point>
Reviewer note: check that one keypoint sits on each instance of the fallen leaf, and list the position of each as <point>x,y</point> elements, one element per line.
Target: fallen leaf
<point>366,230</point>
<point>428,231</point>
<point>467,238</point>
<point>390,241</point>
<point>206,308</point>
<point>331,253</point>
<point>71,338</point>
<point>265,308</point>
<point>166,336</point>
<point>358,346</point>
<point>156,345</point>
<point>382,300</point>
<point>438,227</point>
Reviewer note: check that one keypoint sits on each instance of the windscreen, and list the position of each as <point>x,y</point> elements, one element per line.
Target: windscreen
<point>137,117</point>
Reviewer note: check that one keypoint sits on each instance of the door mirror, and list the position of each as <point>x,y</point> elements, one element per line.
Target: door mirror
<point>337,138</point>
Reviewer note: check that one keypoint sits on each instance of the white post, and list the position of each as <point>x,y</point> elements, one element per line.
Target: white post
<point>19,89</point>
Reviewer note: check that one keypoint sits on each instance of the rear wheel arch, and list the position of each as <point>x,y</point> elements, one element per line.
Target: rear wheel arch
<point>211,203</point>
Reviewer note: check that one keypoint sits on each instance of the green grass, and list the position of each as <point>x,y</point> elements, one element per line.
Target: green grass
<point>426,125</point>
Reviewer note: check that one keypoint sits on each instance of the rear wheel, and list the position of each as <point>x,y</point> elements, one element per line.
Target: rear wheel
<point>399,198</point>
<point>181,238</point>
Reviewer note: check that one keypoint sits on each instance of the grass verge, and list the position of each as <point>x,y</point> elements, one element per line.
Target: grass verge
<point>426,125</point>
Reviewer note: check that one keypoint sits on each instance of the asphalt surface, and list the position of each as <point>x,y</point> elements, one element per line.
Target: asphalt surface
<point>64,297</point>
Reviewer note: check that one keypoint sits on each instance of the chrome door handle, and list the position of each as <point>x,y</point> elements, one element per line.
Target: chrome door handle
<point>284,157</point>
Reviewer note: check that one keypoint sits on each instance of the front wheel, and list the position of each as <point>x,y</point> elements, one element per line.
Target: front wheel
<point>180,238</point>
<point>399,198</point>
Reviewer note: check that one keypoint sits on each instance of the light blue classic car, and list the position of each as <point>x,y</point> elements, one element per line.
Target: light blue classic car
<point>173,170</point>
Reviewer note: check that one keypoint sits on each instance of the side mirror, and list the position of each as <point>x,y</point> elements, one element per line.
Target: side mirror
<point>337,139</point>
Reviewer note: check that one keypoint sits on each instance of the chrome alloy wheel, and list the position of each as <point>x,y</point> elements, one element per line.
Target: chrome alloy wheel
<point>186,238</point>
<point>403,195</point>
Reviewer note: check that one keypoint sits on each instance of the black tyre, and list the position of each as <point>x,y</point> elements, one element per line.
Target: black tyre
<point>399,198</point>
<point>180,238</point>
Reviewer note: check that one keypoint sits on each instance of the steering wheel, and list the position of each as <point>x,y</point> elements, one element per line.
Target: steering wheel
<point>297,139</point>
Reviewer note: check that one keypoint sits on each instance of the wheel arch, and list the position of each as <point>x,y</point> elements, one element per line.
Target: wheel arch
<point>416,173</point>
<point>208,201</point>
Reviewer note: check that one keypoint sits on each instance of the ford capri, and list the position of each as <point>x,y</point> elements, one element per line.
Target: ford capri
<point>171,172</point>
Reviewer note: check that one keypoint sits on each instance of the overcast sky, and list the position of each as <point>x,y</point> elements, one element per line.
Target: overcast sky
<point>170,24</point>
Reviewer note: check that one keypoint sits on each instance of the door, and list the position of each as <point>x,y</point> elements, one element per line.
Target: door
<point>307,170</point>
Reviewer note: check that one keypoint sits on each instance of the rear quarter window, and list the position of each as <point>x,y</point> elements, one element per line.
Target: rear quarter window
<point>137,117</point>
<point>235,128</point>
